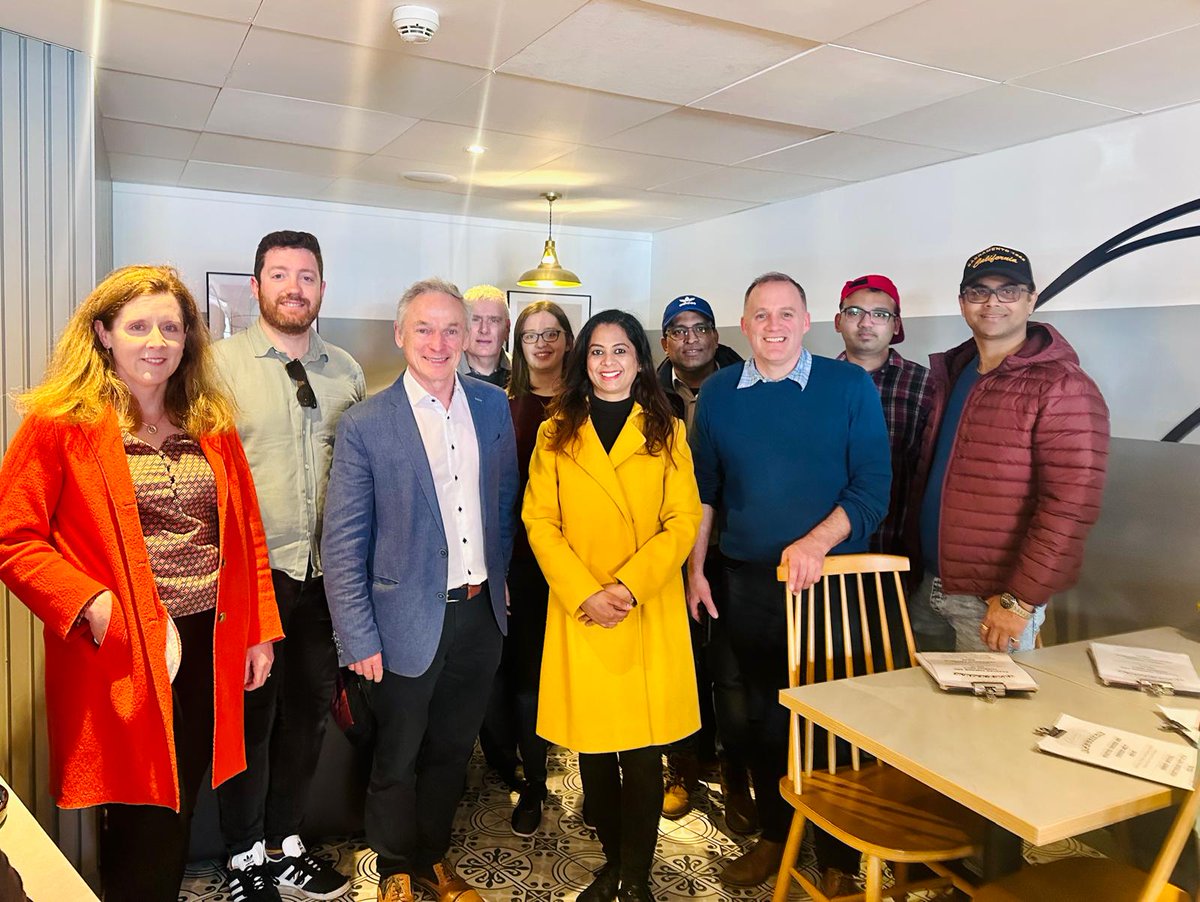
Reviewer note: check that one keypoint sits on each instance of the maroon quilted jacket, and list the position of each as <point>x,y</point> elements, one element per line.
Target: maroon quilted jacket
<point>1026,471</point>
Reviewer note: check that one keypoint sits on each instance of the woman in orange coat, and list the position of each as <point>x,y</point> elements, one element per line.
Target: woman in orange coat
<point>124,496</point>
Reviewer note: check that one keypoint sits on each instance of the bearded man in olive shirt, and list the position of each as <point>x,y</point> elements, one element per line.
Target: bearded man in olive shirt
<point>291,388</point>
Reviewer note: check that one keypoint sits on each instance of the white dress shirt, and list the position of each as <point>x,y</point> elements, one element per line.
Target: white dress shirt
<point>452,449</point>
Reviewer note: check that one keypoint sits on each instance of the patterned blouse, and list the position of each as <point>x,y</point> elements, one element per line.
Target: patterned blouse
<point>177,505</point>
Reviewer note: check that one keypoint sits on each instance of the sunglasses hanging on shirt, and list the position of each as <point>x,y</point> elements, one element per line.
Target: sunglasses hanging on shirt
<point>304,392</point>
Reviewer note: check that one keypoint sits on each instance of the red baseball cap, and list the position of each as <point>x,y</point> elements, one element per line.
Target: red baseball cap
<point>878,283</point>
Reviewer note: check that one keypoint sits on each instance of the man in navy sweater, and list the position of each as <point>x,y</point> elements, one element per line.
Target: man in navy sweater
<point>793,463</point>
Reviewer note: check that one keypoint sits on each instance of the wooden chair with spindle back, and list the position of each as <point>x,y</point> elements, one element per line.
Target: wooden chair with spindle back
<point>876,809</point>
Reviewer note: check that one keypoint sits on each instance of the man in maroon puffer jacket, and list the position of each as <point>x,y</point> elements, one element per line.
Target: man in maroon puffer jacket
<point>1012,468</point>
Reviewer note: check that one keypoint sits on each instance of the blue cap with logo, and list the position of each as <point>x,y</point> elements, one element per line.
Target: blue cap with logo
<point>687,303</point>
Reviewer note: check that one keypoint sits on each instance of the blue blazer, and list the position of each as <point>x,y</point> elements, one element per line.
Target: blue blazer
<point>383,547</point>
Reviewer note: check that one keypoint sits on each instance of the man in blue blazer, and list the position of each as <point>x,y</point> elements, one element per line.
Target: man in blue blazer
<point>419,522</point>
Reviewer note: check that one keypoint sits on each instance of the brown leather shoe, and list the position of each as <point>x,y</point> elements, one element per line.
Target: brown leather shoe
<point>753,868</point>
<point>447,886</point>
<point>741,814</point>
<point>396,888</point>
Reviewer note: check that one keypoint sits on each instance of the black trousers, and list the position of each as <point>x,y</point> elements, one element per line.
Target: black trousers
<point>757,623</point>
<point>285,723</point>
<point>510,723</point>
<point>624,793</point>
<point>425,733</point>
<point>143,848</point>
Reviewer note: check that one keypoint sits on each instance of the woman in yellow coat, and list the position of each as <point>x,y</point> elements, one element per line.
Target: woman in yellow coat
<point>611,511</point>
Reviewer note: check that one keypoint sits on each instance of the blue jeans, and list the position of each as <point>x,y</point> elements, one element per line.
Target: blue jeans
<point>944,622</point>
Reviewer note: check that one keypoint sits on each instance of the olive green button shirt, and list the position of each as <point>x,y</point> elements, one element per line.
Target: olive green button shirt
<point>289,447</point>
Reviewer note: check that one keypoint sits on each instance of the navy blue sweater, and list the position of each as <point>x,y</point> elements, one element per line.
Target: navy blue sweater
<point>775,459</point>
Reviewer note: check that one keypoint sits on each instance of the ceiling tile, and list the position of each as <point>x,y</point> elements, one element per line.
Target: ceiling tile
<point>756,185</point>
<point>125,167</point>
<point>214,148</point>
<point>955,35</point>
<point>168,44</point>
<point>147,140</point>
<point>998,116</point>
<point>440,141</point>
<point>469,176</point>
<point>851,157</point>
<point>708,136</point>
<point>651,52</point>
<point>234,10</point>
<point>1149,76</point>
<point>820,20</point>
<point>251,180</point>
<point>526,106</point>
<point>596,166</point>
<point>293,65</point>
<point>837,89</point>
<point>275,118</point>
<point>473,32</point>
<point>400,197</point>
<point>159,101</point>
<point>68,23</point>
<point>621,209</point>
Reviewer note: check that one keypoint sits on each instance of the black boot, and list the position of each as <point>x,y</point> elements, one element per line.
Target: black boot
<point>604,887</point>
<point>635,891</point>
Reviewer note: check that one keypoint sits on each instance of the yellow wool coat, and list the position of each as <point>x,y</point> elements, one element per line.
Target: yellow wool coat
<point>594,518</point>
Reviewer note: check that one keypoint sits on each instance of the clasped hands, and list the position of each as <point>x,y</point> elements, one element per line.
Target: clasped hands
<point>608,607</point>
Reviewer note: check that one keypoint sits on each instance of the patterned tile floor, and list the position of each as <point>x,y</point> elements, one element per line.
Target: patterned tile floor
<point>558,861</point>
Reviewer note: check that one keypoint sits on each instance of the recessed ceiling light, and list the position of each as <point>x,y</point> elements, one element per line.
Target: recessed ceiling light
<point>430,178</point>
<point>475,149</point>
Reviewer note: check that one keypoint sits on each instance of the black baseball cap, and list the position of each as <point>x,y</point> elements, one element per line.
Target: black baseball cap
<point>998,261</point>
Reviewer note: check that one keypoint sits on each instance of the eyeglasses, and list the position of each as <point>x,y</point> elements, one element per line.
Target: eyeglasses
<point>680,333</point>
<point>879,315</point>
<point>549,336</point>
<point>1005,294</point>
<point>304,392</point>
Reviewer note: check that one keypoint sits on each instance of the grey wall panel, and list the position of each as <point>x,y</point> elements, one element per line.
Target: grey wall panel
<point>46,265</point>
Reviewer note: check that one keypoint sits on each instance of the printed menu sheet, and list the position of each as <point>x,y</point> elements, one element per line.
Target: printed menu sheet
<point>965,670</point>
<point>1126,665</point>
<point>1128,753</point>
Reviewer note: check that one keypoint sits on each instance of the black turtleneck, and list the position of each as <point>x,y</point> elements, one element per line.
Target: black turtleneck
<point>608,419</point>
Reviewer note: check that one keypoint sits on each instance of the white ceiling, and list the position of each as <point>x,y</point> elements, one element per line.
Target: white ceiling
<point>644,115</point>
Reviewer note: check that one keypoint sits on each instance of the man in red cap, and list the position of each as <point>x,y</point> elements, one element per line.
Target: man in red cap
<point>869,322</point>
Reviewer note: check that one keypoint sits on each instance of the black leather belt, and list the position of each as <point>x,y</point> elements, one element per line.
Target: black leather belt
<point>465,592</point>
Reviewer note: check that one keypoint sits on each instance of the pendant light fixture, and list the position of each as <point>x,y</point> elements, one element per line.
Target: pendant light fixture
<point>549,273</point>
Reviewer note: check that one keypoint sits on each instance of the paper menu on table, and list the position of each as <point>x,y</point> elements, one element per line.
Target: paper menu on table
<point>1125,665</point>
<point>1184,718</point>
<point>1129,753</point>
<point>965,670</point>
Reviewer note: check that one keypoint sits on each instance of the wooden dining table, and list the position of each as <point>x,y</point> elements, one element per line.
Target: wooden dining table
<point>46,874</point>
<point>984,755</point>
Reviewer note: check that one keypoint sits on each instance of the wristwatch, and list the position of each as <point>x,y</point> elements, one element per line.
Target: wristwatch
<point>1010,602</point>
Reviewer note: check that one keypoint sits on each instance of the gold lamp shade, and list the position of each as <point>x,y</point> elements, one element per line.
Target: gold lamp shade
<point>549,273</point>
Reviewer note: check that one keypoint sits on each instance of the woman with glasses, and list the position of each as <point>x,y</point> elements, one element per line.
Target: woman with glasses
<point>130,527</point>
<point>611,511</point>
<point>543,338</point>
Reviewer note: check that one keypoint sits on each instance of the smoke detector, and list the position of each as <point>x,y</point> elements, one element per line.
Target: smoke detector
<point>415,24</point>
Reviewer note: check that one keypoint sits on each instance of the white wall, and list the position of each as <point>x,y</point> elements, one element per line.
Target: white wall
<point>1054,199</point>
<point>371,254</point>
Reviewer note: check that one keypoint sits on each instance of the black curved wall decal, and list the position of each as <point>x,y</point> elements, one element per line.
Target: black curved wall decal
<point>1115,248</point>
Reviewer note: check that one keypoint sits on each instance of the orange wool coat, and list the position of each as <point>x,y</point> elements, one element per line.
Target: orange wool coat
<point>69,529</point>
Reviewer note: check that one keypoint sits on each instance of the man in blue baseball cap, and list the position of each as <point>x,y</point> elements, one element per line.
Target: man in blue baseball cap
<point>694,353</point>
<point>691,343</point>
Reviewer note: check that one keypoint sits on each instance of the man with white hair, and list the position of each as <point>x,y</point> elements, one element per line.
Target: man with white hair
<point>418,531</point>
<point>487,326</point>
